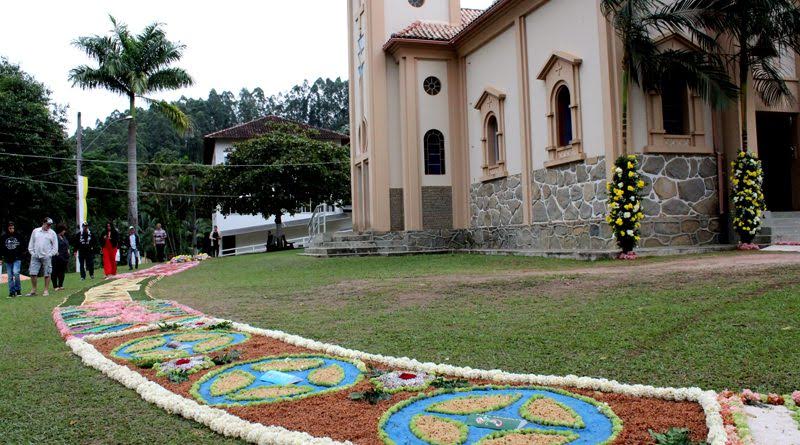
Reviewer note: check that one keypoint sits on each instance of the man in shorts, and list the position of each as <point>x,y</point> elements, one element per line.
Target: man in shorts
<point>42,246</point>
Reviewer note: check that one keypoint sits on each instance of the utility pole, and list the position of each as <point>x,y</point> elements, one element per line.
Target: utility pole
<point>78,159</point>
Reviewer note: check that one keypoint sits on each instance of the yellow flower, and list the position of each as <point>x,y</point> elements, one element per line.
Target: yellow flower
<point>631,174</point>
<point>640,184</point>
<point>631,188</point>
<point>619,221</point>
<point>630,165</point>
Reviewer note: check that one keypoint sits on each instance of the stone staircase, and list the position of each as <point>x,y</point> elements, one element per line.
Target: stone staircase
<point>780,227</point>
<point>356,244</point>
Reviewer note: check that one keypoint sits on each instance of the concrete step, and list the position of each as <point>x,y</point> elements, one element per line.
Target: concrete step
<point>352,237</point>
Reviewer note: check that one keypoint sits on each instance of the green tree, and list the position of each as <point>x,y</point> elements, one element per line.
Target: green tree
<point>285,170</point>
<point>31,132</point>
<point>754,34</point>
<point>636,23</point>
<point>134,66</point>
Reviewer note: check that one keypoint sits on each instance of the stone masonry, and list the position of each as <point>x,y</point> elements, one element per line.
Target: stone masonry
<point>681,201</point>
<point>496,203</point>
<point>396,216</point>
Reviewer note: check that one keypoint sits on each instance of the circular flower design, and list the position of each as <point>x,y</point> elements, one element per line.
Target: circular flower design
<point>490,414</point>
<point>180,344</point>
<point>277,379</point>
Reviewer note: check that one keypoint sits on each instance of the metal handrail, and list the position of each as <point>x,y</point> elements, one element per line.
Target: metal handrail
<point>319,221</point>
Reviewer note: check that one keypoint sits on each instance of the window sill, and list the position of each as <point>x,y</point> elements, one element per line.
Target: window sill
<point>678,149</point>
<point>565,160</point>
<point>493,173</point>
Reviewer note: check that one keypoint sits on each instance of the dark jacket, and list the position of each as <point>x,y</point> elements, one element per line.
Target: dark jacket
<point>12,247</point>
<point>85,243</point>
<point>126,241</point>
<point>114,238</point>
<point>63,250</point>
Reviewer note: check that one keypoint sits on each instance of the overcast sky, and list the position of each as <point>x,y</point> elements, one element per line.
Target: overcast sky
<point>230,44</point>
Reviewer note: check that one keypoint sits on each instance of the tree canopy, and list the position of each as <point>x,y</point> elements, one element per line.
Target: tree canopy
<point>290,169</point>
<point>32,125</point>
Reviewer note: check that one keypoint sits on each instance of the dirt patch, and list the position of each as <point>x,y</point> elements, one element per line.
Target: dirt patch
<point>336,416</point>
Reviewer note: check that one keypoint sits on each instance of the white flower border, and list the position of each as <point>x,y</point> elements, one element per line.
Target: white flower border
<point>232,426</point>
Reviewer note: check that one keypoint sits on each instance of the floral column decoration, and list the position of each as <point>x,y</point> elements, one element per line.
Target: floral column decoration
<point>625,206</point>
<point>748,198</point>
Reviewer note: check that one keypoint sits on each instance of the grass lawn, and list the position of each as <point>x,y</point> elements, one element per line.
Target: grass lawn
<point>725,327</point>
<point>48,396</point>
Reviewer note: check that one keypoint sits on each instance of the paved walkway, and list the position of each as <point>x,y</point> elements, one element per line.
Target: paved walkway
<point>772,425</point>
<point>113,290</point>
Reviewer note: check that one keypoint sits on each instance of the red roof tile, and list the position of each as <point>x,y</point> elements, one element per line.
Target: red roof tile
<point>438,30</point>
<point>260,127</point>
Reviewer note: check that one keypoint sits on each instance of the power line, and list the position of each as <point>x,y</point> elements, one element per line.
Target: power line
<point>174,164</point>
<point>72,186</point>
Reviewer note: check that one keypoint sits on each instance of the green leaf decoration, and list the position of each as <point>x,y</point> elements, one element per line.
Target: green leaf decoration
<point>189,337</point>
<point>146,345</point>
<point>538,437</point>
<point>161,355</point>
<point>474,404</point>
<point>270,392</point>
<point>438,430</point>
<point>213,344</point>
<point>547,411</point>
<point>328,376</point>
<point>231,382</point>
<point>289,364</point>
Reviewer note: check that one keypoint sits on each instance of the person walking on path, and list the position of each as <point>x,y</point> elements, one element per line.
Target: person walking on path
<point>110,245</point>
<point>12,247</point>
<point>42,246</point>
<point>160,242</point>
<point>85,249</point>
<point>215,237</point>
<point>61,259</point>
<point>132,243</point>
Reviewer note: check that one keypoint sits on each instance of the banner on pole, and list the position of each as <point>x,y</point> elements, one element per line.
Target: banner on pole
<point>83,209</point>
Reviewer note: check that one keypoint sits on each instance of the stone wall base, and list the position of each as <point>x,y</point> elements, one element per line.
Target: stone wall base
<point>697,230</point>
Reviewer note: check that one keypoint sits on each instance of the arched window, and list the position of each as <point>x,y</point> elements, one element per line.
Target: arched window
<point>563,116</point>
<point>675,107</point>
<point>492,139</point>
<point>434,153</point>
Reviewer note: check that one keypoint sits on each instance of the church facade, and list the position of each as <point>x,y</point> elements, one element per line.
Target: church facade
<point>498,128</point>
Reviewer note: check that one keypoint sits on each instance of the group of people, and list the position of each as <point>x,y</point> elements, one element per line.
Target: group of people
<point>49,250</point>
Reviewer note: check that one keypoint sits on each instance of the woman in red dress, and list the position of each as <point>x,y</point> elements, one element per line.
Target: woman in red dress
<point>110,244</point>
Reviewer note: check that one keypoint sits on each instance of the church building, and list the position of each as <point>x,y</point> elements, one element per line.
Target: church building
<point>497,129</point>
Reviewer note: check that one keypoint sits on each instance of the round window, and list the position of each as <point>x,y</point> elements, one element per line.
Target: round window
<point>416,3</point>
<point>432,85</point>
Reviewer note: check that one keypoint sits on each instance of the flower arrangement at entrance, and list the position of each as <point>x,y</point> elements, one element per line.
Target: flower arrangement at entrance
<point>748,198</point>
<point>625,204</point>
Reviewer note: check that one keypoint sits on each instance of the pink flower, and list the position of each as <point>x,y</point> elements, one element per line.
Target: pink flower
<point>775,399</point>
<point>796,397</point>
<point>751,398</point>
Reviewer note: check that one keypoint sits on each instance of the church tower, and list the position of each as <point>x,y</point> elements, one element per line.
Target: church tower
<point>374,121</point>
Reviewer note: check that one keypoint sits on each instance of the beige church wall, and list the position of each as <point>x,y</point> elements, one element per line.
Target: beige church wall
<point>393,112</point>
<point>494,65</point>
<point>569,26</point>
<point>399,14</point>
<point>434,114</point>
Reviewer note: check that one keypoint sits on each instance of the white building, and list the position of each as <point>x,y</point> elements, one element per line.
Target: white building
<point>248,233</point>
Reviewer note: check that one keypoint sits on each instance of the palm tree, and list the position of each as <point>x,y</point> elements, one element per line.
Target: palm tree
<point>134,66</point>
<point>755,33</point>
<point>637,23</point>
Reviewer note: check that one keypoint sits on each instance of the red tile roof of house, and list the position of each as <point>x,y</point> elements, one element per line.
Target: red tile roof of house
<point>260,127</point>
<point>438,30</point>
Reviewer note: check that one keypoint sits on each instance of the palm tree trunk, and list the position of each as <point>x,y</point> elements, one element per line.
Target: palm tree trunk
<point>744,72</point>
<point>625,87</point>
<point>133,186</point>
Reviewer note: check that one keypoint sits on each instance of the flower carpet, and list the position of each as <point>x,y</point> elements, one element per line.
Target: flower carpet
<point>270,387</point>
